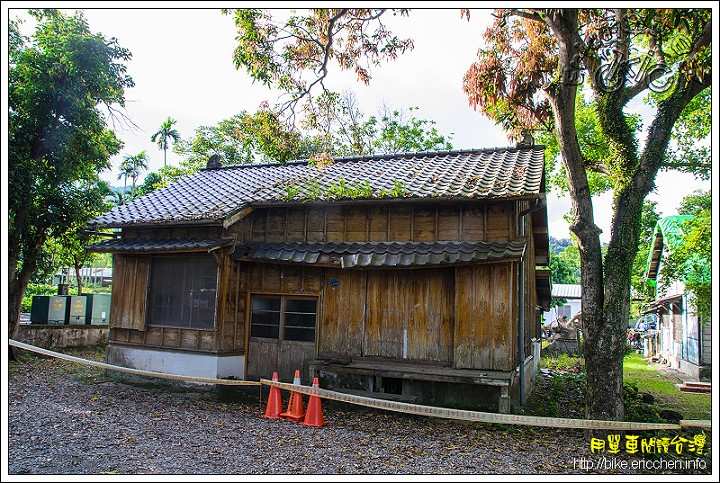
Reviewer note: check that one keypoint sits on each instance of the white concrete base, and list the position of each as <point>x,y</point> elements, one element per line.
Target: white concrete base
<point>191,364</point>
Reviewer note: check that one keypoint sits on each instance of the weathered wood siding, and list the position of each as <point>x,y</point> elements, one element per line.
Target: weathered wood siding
<point>379,222</point>
<point>486,316</point>
<point>389,313</point>
<point>129,293</point>
<point>465,316</point>
<point>129,299</point>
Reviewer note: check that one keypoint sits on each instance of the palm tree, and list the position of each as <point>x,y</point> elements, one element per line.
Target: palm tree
<point>132,165</point>
<point>164,134</point>
<point>125,172</point>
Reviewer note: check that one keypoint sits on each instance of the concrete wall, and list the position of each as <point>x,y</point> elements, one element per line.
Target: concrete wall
<point>48,336</point>
<point>181,363</point>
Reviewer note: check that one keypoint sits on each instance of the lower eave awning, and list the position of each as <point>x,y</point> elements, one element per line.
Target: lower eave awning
<point>154,245</point>
<point>380,254</point>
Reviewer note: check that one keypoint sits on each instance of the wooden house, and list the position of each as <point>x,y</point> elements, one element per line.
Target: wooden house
<point>681,340</point>
<point>416,275</point>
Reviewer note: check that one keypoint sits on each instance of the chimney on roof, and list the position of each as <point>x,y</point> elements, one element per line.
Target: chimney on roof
<point>214,161</point>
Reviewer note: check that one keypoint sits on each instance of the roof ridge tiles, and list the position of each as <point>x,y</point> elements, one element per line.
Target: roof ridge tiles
<point>369,157</point>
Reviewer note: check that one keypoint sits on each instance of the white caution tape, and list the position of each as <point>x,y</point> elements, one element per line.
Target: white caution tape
<point>431,411</point>
<point>163,375</point>
<point>439,412</point>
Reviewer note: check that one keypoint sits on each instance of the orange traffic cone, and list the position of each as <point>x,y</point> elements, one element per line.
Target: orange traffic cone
<point>295,410</point>
<point>274,404</point>
<point>314,410</point>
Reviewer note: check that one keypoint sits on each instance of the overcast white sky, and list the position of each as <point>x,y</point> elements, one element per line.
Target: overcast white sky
<point>182,67</point>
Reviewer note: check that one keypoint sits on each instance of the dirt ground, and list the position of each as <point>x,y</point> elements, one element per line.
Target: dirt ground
<point>67,419</point>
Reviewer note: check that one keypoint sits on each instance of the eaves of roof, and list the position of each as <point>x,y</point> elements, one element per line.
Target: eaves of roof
<point>165,245</point>
<point>379,254</point>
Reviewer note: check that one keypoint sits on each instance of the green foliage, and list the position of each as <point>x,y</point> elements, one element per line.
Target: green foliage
<point>292,192</point>
<point>690,260</point>
<point>58,140</point>
<point>278,53</point>
<point>637,407</point>
<point>563,362</point>
<point>264,138</point>
<point>593,144</point>
<point>312,190</point>
<point>132,165</point>
<point>565,266</point>
<point>641,289</point>
<point>396,134</point>
<point>648,379</point>
<point>398,190</point>
<point>36,289</point>
<point>646,391</point>
<point>339,128</point>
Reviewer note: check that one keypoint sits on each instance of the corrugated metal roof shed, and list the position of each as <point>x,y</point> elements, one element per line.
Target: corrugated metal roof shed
<point>668,232</point>
<point>566,291</point>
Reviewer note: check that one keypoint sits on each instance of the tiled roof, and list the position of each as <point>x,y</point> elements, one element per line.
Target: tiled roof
<point>380,254</point>
<point>210,195</point>
<point>140,245</point>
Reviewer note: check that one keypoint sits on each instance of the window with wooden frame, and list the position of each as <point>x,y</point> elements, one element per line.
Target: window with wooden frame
<point>283,317</point>
<point>182,292</point>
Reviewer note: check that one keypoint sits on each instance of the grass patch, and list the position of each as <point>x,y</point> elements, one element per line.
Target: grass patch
<point>650,395</point>
<point>648,379</point>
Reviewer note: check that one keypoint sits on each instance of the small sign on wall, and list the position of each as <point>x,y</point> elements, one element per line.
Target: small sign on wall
<point>334,282</point>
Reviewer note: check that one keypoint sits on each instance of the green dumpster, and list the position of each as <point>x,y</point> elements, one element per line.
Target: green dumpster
<point>48,309</point>
<point>75,309</point>
<point>97,309</point>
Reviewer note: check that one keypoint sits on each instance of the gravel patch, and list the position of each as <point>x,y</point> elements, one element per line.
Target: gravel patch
<point>68,419</point>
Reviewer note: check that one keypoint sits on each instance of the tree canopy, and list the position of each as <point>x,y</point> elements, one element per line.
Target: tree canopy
<point>58,141</point>
<point>263,137</point>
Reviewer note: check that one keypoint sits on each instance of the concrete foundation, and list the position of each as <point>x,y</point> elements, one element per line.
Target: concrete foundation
<point>181,363</point>
<point>52,337</point>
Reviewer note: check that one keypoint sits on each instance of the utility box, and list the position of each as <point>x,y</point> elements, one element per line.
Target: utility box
<point>48,309</point>
<point>97,309</point>
<point>75,309</point>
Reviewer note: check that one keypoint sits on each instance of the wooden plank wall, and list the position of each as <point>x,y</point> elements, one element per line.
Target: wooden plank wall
<point>129,293</point>
<point>129,298</point>
<point>456,316</point>
<point>485,314</point>
<point>343,313</point>
<point>388,313</point>
<point>379,222</point>
<point>396,313</point>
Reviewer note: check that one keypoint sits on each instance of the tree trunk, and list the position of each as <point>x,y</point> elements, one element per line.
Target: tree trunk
<point>16,292</point>
<point>604,380</point>
<point>78,268</point>
<point>606,290</point>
